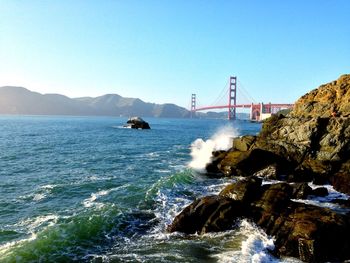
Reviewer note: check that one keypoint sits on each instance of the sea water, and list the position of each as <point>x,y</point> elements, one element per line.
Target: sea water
<point>85,189</point>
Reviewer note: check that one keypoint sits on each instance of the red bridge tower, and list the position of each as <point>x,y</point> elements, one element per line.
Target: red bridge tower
<point>232,98</point>
<point>193,105</point>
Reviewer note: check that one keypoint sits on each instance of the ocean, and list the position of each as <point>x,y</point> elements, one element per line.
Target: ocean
<point>85,189</point>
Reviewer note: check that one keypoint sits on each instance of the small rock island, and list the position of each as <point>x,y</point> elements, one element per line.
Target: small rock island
<point>296,156</point>
<point>137,123</point>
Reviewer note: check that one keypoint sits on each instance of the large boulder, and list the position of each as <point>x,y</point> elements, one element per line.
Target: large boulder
<point>310,233</point>
<point>243,143</point>
<point>341,179</point>
<point>247,163</point>
<point>245,190</point>
<point>137,123</point>
<point>208,214</point>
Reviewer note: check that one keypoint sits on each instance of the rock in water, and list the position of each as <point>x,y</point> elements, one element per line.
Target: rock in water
<point>208,214</point>
<point>243,190</point>
<point>137,123</point>
<point>310,233</point>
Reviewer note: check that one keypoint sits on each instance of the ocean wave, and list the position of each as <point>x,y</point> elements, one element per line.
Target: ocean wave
<point>201,151</point>
<point>67,239</point>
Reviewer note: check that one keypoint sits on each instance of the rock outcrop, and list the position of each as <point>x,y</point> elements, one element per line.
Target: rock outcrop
<point>309,144</point>
<point>307,232</point>
<point>312,142</point>
<point>137,123</point>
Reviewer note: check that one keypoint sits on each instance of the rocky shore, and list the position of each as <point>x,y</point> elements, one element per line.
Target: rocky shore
<point>272,173</point>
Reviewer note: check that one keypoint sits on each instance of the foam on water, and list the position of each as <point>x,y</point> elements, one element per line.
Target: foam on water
<point>326,201</point>
<point>40,194</point>
<point>34,223</point>
<point>254,246</point>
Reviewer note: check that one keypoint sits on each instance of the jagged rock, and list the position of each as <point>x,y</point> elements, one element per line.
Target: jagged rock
<point>269,172</point>
<point>313,234</point>
<point>250,162</point>
<point>274,199</point>
<point>341,179</point>
<point>328,98</point>
<point>310,233</point>
<point>311,143</point>
<point>229,163</point>
<point>301,190</point>
<point>208,214</point>
<point>243,143</point>
<point>137,123</point>
<point>245,190</point>
<point>316,134</point>
<point>212,167</point>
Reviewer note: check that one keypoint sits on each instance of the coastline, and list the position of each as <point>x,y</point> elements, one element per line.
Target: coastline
<point>306,147</point>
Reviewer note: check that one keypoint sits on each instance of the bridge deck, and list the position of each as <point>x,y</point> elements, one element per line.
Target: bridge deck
<point>268,105</point>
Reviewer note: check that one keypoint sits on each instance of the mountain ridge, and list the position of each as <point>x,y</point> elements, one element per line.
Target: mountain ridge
<point>19,100</point>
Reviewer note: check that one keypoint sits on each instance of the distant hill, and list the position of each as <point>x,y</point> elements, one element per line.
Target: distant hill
<point>18,100</point>
<point>221,115</point>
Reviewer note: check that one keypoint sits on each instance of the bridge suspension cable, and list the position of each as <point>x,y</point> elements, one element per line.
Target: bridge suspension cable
<point>245,93</point>
<point>230,92</point>
<point>222,96</point>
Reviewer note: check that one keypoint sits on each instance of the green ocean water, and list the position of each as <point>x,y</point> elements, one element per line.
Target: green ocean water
<point>85,189</point>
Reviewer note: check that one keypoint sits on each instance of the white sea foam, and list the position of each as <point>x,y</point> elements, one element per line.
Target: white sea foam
<point>201,151</point>
<point>48,186</point>
<point>7,246</point>
<point>91,200</point>
<point>38,197</point>
<point>326,201</point>
<point>254,247</point>
<point>40,220</point>
<point>41,193</point>
<point>33,223</point>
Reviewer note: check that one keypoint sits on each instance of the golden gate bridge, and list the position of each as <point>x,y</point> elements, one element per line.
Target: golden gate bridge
<point>258,111</point>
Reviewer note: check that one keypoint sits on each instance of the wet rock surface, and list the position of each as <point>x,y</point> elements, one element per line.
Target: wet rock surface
<point>208,214</point>
<point>309,144</point>
<point>137,123</point>
<point>307,232</point>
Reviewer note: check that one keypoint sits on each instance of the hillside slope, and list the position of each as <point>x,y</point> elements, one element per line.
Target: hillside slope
<point>18,100</point>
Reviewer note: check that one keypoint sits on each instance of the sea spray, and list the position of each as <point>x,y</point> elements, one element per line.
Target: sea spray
<point>201,151</point>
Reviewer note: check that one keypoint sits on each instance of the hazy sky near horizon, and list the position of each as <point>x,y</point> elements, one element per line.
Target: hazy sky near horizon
<point>162,51</point>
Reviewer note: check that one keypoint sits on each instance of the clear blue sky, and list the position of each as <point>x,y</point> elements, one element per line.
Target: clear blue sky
<point>162,50</point>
